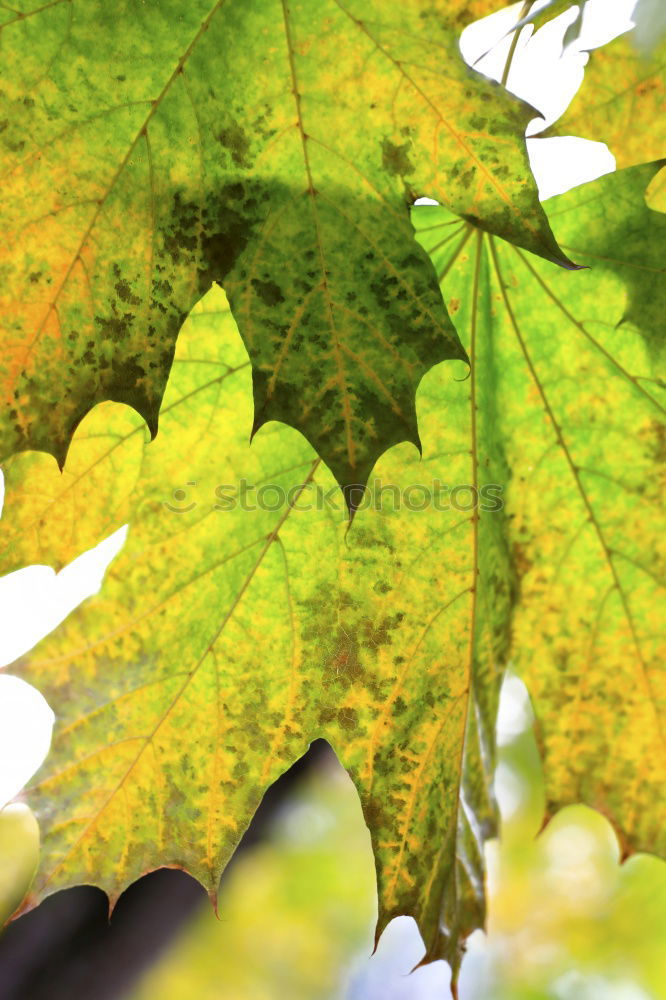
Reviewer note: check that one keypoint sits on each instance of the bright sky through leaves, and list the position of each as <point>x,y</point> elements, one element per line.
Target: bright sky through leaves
<point>560,784</point>
<point>402,675</point>
<point>280,165</point>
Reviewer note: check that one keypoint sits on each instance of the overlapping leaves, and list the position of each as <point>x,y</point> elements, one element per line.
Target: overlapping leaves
<point>582,427</point>
<point>621,102</point>
<point>274,147</point>
<point>258,630</point>
<point>225,639</point>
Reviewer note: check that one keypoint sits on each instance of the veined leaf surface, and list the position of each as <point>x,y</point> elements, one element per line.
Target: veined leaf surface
<point>225,639</point>
<point>148,150</point>
<point>581,404</point>
<point>261,629</point>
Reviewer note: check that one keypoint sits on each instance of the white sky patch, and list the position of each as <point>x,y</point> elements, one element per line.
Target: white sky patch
<point>547,78</point>
<point>509,790</point>
<point>26,722</point>
<point>515,711</point>
<point>387,975</point>
<point>36,599</point>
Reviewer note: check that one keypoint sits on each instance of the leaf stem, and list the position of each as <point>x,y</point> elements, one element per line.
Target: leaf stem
<point>524,11</point>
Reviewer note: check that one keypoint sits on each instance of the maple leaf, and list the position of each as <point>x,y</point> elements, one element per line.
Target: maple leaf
<point>583,432</point>
<point>272,147</point>
<point>248,627</point>
<point>620,102</point>
<point>231,632</point>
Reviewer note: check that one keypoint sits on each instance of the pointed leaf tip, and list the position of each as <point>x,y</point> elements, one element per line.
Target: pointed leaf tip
<point>337,305</point>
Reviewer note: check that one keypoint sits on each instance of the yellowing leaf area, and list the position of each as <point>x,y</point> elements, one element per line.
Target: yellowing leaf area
<point>245,616</point>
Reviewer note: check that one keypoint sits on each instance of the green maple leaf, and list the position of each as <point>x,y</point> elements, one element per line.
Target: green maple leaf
<point>225,639</point>
<point>273,147</point>
<point>581,402</point>
<point>250,628</point>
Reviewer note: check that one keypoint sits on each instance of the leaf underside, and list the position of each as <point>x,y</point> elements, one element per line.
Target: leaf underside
<point>271,147</point>
<point>583,432</point>
<point>225,639</point>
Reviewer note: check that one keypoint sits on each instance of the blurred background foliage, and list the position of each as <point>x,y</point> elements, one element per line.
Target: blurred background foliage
<point>566,920</point>
<point>296,910</point>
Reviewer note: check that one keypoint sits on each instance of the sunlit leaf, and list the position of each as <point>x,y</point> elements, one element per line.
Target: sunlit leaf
<point>582,425</point>
<point>225,639</point>
<point>308,892</point>
<point>621,102</point>
<point>260,629</point>
<point>149,149</point>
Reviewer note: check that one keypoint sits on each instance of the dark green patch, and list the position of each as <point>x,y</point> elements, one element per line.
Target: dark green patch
<point>395,159</point>
<point>235,140</point>
<point>399,706</point>
<point>347,719</point>
<point>269,292</point>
